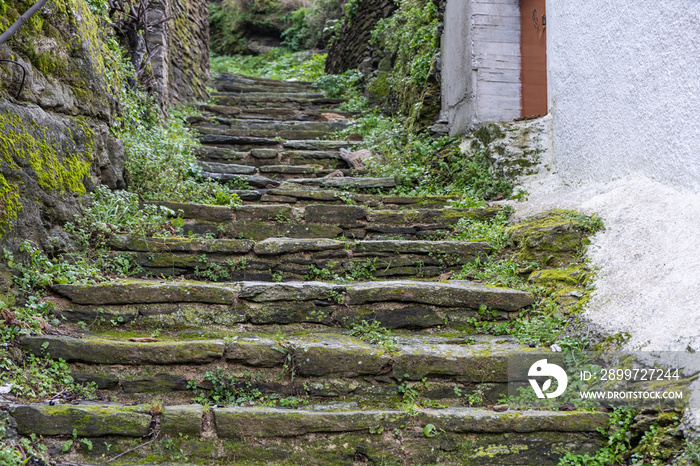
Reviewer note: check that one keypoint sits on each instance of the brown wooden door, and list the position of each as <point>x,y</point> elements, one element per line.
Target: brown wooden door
<point>533,49</point>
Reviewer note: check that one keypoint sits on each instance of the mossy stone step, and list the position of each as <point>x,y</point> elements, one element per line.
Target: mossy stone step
<point>314,354</point>
<point>276,100</point>
<point>294,259</point>
<point>265,131</point>
<point>347,182</point>
<point>318,145</point>
<point>273,113</point>
<point>229,123</point>
<point>262,221</point>
<point>319,434</point>
<point>370,391</point>
<point>314,196</point>
<point>450,294</point>
<point>257,80</point>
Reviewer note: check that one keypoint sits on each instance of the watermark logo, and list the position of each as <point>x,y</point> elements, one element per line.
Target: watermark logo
<point>542,368</point>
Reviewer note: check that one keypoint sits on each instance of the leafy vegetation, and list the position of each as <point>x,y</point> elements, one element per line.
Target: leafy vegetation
<point>411,37</point>
<point>227,390</point>
<point>373,332</point>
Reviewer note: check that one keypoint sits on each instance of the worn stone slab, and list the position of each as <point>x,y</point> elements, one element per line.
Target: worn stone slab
<point>158,383</point>
<point>306,195</point>
<point>347,182</point>
<point>253,180</point>
<point>428,216</point>
<point>228,168</point>
<point>312,154</point>
<point>261,292</point>
<point>181,244</point>
<point>182,420</point>
<point>198,211</point>
<point>276,246</point>
<point>481,362</point>
<point>264,153</point>
<point>148,291</point>
<point>334,214</point>
<point>103,351</point>
<point>88,420</point>
<point>454,293</point>
<point>317,145</point>
<point>218,153</point>
<point>264,213</point>
<point>238,140</point>
<point>248,195</point>
<point>288,169</point>
<point>460,248</point>
<point>275,422</point>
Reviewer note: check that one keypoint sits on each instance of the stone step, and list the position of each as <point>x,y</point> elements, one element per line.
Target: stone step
<point>260,81</point>
<point>313,101</point>
<point>272,113</point>
<point>229,123</point>
<point>299,130</point>
<point>268,172</point>
<point>297,259</point>
<point>317,434</point>
<point>138,384</point>
<point>329,160</point>
<point>345,182</point>
<point>314,196</point>
<point>260,222</point>
<point>394,304</point>
<point>312,354</point>
<point>248,143</point>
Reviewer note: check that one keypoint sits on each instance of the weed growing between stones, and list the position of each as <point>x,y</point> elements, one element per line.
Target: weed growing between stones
<point>227,390</point>
<point>373,333</point>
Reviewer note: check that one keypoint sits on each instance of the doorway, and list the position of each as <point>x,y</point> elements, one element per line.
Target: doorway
<point>533,52</point>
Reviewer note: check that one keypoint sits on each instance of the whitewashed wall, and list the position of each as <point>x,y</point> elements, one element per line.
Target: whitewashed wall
<point>624,87</point>
<point>481,62</point>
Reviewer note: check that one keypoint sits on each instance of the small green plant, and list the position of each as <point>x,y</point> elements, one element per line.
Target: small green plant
<point>473,398</point>
<point>618,448</point>
<point>362,270</point>
<point>281,218</point>
<point>277,276</point>
<point>373,332</point>
<point>226,390</point>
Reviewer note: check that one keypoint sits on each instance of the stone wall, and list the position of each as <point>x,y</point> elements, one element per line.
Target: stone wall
<point>181,61</point>
<point>54,138</point>
<point>352,46</point>
<point>189,51</point>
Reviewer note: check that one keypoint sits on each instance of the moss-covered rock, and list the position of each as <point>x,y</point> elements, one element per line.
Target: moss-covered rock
<point>451,294</point>
<point>554,238</point>
<point>147,291</point>
<point>103,351</point>
<point>86,420</point>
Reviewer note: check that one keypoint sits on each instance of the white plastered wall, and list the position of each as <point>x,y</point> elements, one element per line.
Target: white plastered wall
<point>624,89</point>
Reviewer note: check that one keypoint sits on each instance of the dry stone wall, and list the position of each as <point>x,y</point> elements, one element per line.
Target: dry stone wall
<point>352,46</point>
<point>54,136</point>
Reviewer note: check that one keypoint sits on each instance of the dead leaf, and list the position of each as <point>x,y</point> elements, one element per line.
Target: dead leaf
<point>445,276</point>
<point>333,117</point>
<point>335,174</point>
<point>9,317</point>
<point>143,340</point>
<point>42,324</point>
<point>356,159</point>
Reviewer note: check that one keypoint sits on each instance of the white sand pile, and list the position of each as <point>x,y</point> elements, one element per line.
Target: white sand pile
<point>649,258</point>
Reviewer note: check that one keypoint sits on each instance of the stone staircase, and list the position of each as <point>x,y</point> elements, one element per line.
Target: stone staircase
<point>279,293</point>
